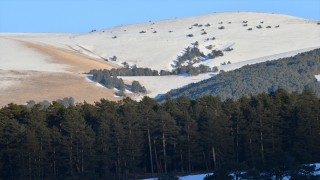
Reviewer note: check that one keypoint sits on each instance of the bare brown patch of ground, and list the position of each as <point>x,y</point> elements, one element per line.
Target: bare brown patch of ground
<point>22,86</point>
<point>39,86</point>
<point>78,62</point>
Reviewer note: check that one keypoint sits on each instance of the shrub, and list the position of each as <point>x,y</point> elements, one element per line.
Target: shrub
<point>210,47</point>
<point>215,69</point>
<point>229,49</point>
<point>249,29</point>
<point>245,25</point>
<point>268,27</point>
<point>45,104</point>
<point>136,87</point>
<point>120,93</point>
<point>215,53</point>
<point>30,103</point>
<point>190,35</point>
<point>126,65</point>
<point>221,27</point>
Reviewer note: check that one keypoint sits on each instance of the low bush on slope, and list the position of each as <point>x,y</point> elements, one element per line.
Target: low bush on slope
<point>293,74</point>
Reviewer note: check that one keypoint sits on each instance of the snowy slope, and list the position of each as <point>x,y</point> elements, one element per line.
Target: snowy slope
<point>160,50</point>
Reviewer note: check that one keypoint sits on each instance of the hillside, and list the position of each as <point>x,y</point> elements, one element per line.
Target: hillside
<point>160,50</point>
<point>29,60</point>
<point>293,74</point>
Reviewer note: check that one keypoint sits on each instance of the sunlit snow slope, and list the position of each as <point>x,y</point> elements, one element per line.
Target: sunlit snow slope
<point>160,50</point>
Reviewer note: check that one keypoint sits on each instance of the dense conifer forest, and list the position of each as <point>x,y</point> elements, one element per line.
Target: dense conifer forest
<point>293,74</point>
<point>264,135</point>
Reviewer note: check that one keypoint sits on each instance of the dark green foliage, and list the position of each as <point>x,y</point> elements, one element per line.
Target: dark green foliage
<point>193,71</point>
<point>120,93</point>
<point>123,72</point>
<point>164,73</point>
<point>136,87</point>
<point>190,54</point>
<point>229,49</point>
<point>104,77</point>
<point>31,103</point>
<point>255,137</point>
<point>215,53</point>
<point>215,69</point>
<point>67,101</point>
<point>293,74</point>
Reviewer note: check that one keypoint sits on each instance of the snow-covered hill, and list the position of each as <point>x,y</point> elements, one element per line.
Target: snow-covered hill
<point>160,46</point>
<point>160,50</point>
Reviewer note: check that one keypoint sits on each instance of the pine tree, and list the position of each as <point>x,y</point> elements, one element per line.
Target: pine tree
<point>134,140</point>
<point>146,109</point>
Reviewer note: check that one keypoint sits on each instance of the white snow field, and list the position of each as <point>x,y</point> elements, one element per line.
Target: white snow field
<point>159,50</point>
<point>164,41</point>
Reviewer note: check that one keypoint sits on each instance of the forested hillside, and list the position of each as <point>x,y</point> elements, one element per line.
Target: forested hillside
<point>271,133</point>
<point>293,74</point>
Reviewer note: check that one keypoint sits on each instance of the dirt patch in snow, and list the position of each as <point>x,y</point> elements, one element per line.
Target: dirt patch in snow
<point>39,86</point>
<point>19,86</point>
<point>77,62</point>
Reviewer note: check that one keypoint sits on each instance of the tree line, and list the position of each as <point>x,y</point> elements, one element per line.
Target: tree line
<point>135,71</point>
<point>293,74</point>
<point>265,134</point>
<point>104,77</point>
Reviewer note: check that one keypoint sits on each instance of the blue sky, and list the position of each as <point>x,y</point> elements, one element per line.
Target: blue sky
<point>85,15</point>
